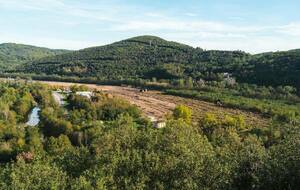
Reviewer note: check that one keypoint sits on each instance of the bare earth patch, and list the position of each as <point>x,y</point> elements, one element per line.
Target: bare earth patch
<point>157,105</point>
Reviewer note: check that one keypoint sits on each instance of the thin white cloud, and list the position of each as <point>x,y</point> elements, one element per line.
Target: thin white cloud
<point>292,29</point>
<point>54,43</point>
<point>236,18</point>
<point>248,43</point>
<point>191,26</point>
<point>40,5</point>
<point>120,20</point>
<point>191,14</point>
<point>154,15</point>
<point>59,7</point>
<point>220,35</point>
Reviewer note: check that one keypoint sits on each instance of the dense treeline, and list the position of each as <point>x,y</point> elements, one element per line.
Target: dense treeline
<point>16,101</point>
<point>148,57</point>
<point>140,57</point>
<point>105,143</point>
<point>279,103</point>
<point>279,68</point>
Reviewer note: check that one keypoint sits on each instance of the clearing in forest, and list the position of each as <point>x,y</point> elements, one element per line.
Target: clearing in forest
<point>158,105</point>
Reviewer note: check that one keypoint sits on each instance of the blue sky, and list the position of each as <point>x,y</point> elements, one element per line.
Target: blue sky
<point>249,25</point>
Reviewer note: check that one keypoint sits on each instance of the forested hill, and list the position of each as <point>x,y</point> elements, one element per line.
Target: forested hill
<point>12,54</point>
<point>150,56</point>
<point>274,68</point>
<point>139,57</point>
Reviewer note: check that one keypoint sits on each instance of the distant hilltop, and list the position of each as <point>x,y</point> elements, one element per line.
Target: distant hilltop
<point>147,57</point>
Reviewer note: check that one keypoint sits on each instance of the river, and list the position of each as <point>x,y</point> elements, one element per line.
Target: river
<point>34,117</point>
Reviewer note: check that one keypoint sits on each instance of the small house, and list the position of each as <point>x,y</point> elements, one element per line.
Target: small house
<point>86,94</point>
<point>159,124</point>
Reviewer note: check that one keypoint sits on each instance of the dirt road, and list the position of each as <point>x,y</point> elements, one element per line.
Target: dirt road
<point>157,105</point>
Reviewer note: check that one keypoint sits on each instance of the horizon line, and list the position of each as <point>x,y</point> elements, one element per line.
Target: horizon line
<point>116,41</point>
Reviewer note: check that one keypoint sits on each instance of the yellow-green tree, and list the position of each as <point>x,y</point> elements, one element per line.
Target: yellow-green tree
<point>183,112</point>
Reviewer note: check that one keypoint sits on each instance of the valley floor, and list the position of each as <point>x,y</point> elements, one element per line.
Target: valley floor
<point>155,104</point>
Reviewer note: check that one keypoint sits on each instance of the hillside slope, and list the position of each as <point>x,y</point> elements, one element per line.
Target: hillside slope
<point>12,54</point>
<point>150,56</point>
<point>274,68</point>
<point>139,57</point>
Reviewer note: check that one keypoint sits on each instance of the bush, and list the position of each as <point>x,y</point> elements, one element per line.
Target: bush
<point>183,112</point>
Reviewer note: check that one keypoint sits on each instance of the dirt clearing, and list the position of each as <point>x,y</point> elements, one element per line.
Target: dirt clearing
<point>157,105</point>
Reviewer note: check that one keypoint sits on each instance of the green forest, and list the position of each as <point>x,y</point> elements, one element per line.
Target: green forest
<point>12,55</point>
<point>104,142</point>
<point>147,57</point>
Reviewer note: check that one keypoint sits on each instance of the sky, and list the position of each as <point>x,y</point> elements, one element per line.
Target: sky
<point>249,25</point>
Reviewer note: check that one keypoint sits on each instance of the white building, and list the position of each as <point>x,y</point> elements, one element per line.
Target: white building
<point>157,123</point>
<point>160,124</point>
<point>86,94</point>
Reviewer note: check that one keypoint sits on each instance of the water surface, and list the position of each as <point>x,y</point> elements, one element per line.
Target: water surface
<point>34,117</point>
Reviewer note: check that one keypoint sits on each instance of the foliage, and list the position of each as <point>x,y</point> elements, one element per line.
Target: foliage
<point>36,175</point>
<point>105,143</point>
<point>283,109</point>
<point>279,68</point>
<point>15,54</point>
<point>137,58</point>
<point>183,112</point>
<point>147,57</point>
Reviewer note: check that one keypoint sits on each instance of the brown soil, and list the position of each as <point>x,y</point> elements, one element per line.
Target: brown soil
<point>158,105</point>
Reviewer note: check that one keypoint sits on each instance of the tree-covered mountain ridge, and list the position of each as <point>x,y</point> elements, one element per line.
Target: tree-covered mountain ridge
<point>13,54</point>
<point>149,57</point>
<point>138,57</point>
